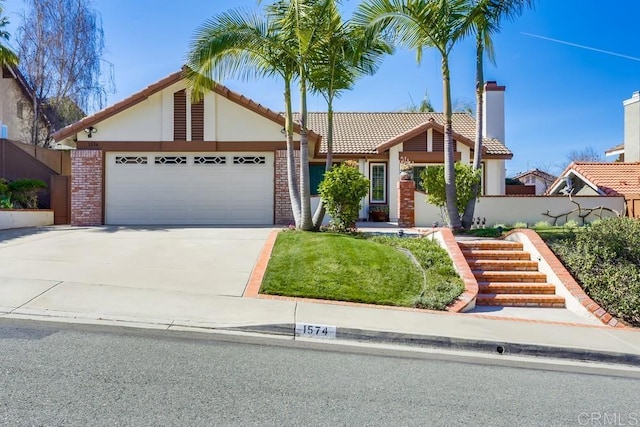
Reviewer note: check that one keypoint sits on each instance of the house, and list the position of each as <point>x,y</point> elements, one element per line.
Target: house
<point>540,180</point>
<point>158,158</point>
<point>620,178</point>
<point>16,108</point>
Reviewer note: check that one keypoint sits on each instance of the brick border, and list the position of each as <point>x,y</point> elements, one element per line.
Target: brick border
<point>257,274</point>
<point>567,279</point>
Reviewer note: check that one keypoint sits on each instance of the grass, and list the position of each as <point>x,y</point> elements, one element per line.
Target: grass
<point>547,232</point>
<point>356,269</point>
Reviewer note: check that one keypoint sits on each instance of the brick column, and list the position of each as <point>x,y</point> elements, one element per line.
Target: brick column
<point>283,212</point>
<point>406,202</point>
<point>86,187</point>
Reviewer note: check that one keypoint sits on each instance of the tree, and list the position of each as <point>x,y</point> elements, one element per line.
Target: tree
<point>243,44</point>
<point>60,44</point>
<point>425,105</point>
<point>345,53</point>
<point>467,178</point>
<point>484,18</point>
<point>417,24</point>
<point>586,154</point>
<point>7,56</point>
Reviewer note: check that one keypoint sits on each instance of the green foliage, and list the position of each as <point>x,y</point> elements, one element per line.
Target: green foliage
<point>24,192</point>
<point>520,225</point>
<point>342,190</point>
<point>5,202</point>
<point>542,224</point>
<point>4,187</point>
<point>605,259</point>
<point>433,182</point>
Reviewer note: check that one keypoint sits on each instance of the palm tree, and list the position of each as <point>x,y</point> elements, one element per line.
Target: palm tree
<point>346,52</point>
<point>418,24</point>
<point>7,56</point>
<point>484,18</point>
<point>245,45</point>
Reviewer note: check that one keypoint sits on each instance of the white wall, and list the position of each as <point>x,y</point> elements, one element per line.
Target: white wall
<point>494,176</point>
<point>509,210</point>
<point>152,120</point>
<point>25,218</point>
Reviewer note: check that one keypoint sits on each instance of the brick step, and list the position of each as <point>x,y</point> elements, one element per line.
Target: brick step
<point>516,288</point>
<point>503,265</point>
<point>509,276</point>
<point>497,254</point>
<point>520,300</point>
<point>503,245</point>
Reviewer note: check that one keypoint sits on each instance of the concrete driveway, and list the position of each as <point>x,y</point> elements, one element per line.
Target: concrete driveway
<point>198,260</point>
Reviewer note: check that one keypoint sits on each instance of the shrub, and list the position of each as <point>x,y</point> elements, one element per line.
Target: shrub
<point>605,258</point>
<point>542,224</point>
<point>24,192</point>
<point>520,225</point>
<point>433,182</point>
<point>342,190</point>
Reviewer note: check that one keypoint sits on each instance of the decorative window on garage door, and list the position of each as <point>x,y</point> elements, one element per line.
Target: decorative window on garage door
<point>209,160</point>
<point>249,160</point>
<point>131,160</point>
<point>171,160</point>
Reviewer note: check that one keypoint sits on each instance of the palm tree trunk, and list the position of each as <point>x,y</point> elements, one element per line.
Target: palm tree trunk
<point>320,212</point>
<point>469,211</point>
<point>449,167</point>
<point>292,177</point>
<point>306,221</point>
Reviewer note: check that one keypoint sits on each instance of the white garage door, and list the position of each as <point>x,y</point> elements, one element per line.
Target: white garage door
<point>192,188</point>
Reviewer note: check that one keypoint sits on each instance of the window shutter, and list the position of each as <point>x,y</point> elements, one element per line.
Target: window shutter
<point>180,116</point>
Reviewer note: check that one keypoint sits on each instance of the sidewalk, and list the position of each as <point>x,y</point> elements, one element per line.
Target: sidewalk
<point>160,308</point>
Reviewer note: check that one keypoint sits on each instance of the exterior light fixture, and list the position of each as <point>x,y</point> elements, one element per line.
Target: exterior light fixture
<point>90,131</point>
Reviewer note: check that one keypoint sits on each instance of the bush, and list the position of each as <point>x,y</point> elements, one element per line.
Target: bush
<point>24,192</point>
<point>605,258</point>
<point>342,190</point>
<point>433,181</point>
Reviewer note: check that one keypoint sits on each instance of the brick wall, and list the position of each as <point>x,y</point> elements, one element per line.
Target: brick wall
<point>283,212</point>
<point>86,187</point>
<point>406,203</point>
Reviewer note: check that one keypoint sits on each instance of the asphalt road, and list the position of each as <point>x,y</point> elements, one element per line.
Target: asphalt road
<point>79,375</point>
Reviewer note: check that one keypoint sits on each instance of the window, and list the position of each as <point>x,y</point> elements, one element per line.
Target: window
<point>249,160</point>
<point>417,177</point>
<point>378,179</point>
<point>20,110</point>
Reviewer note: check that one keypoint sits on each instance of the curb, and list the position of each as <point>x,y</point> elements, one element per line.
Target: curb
<point>499,348</point>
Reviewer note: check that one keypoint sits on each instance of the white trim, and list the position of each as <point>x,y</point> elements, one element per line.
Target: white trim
<point>384,184</point>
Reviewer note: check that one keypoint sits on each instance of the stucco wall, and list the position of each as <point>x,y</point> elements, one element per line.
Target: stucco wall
<point>25,218</point>
<point>152,120</point>
<point>509,210</point>
<point>19,129</point>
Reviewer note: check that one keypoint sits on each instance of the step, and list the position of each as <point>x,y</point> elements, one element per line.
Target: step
<point>509,276</point>
<point>497,254</point>
<point>504,245</point>
<point>520,300</point>
<point>516,288</point>
<point>502,265</point>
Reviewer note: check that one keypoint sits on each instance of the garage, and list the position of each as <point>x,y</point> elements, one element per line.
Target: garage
<point>208,188</point>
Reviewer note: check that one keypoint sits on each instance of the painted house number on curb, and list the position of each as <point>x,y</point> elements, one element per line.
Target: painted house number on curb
<point>315,331</point>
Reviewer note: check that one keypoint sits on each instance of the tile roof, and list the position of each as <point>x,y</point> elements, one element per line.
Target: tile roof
<point>613,179</point>
<point>536,172</point>
<point>365,133</point>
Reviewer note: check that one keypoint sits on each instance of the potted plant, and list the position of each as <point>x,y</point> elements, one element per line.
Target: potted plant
<point>406,169</point>
<point>379,213</point>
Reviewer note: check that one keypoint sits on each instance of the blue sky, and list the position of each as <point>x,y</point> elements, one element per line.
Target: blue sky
<point>559,97</point>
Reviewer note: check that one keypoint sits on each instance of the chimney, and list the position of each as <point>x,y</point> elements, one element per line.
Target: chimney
<point>493,105</point>
<point>632,128</point>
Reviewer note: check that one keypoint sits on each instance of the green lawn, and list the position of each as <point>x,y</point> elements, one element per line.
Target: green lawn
<point>357,269</point>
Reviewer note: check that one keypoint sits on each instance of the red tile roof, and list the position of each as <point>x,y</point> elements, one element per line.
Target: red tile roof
<point>613,179</point>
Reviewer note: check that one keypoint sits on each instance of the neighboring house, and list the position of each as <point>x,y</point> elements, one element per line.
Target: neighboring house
<point>539,179</point>
<point>629,150</point>
<point>601,179</point>
<point>158,158</point>
<point>16,108</point>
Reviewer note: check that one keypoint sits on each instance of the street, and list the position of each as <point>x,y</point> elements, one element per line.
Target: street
<point>54,374</point>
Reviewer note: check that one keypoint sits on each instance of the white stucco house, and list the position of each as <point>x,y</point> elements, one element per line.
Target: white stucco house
<point>158,158</point>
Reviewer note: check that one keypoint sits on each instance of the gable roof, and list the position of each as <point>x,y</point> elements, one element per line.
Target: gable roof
<point>537,172</point>
<point>618,149</point>
<point>26,90</point>
<point>156,87</point>
<point>612,179</point>
<point>372,133</point>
